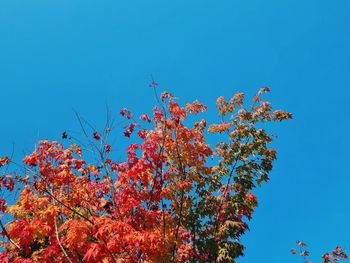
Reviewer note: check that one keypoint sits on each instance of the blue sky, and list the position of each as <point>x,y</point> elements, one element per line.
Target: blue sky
<point>60,55</point>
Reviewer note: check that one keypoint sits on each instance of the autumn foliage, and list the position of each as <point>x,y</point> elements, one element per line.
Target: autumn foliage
<point>334,256</point>
<point>174,198</point>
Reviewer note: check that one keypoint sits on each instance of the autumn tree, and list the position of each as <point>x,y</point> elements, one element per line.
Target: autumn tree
<point>175,198</point>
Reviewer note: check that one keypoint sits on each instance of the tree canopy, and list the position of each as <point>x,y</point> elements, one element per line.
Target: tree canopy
<point>175,197</point>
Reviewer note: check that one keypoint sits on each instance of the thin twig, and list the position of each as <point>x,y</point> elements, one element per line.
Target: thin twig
<point>8,236</point>
<point>59,242</point>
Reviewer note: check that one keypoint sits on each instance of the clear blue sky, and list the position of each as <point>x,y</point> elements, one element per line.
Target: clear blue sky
<point>60,55</point>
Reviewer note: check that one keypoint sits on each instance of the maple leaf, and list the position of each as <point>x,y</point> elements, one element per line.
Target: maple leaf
<point>145,117</point>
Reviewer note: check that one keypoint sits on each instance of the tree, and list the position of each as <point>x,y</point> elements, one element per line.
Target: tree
<point>174,198</point>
